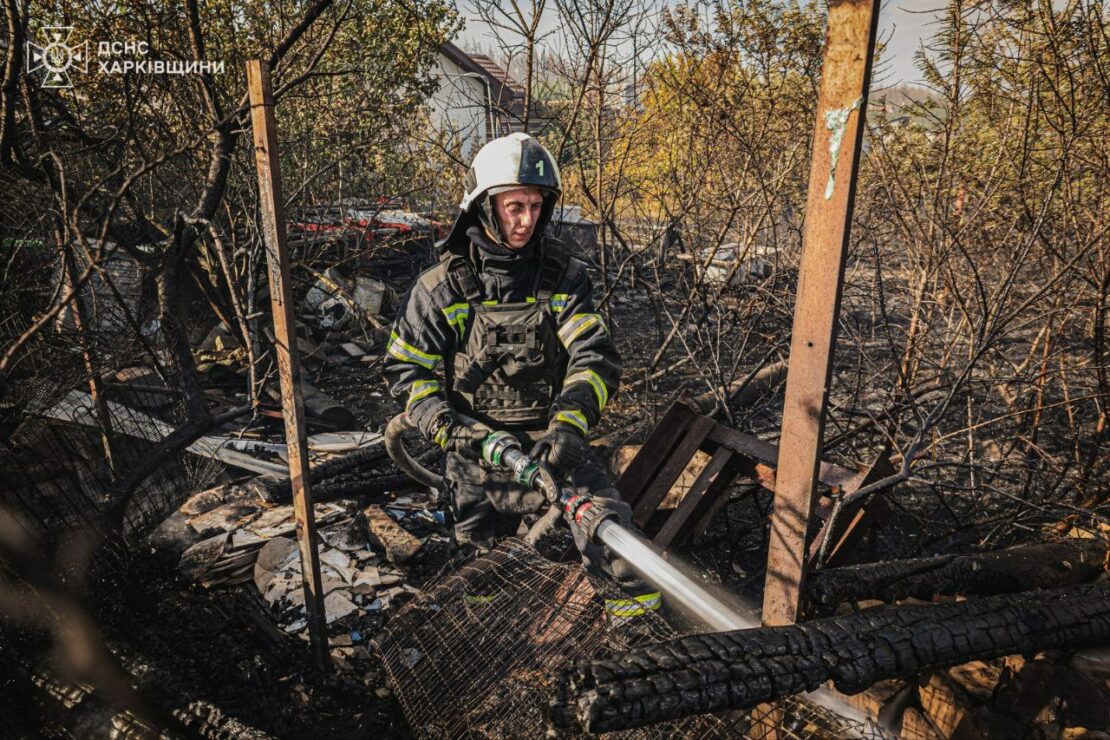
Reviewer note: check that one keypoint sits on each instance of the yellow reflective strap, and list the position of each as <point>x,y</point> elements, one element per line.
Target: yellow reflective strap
<point>634,607</point>
<point>421,389</point>
<point>457,314</point>
<point>440,437</point>
<point>559,302</point>
<point>601,391</point>
<point>405,352</point>
<point>578,324</point>
<point>575,418</point>
<point>623,610</point>
<point>452,311</point>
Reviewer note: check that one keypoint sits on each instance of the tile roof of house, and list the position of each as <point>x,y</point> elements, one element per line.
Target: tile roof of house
<point>504,90</point>
<point>494,70</point>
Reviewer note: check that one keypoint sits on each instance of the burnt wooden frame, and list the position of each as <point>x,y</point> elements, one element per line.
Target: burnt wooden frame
<point>682,432</point>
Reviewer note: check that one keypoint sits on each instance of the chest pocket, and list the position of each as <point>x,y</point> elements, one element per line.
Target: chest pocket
<point>509,364</point>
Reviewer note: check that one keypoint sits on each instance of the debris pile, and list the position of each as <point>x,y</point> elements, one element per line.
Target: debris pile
<point>394,243</point>
<point>474,654</point>
<point>244,537</point>
<point>1015,696</point>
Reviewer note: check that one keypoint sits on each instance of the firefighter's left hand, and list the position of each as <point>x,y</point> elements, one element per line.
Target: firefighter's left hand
<point>583,522</point>
<point>563,448</point>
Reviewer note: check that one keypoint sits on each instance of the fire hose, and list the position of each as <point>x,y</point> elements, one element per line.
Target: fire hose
<point>601,524</point>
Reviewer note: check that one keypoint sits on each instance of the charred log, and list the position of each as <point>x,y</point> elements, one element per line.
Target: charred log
<point>1022,568</point>
<point>359,473</point>
<point>739,670</point>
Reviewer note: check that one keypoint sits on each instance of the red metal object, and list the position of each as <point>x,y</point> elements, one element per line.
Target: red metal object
<point>837,139</point>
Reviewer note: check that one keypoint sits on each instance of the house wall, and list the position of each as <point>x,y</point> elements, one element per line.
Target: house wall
<point>458,107</point>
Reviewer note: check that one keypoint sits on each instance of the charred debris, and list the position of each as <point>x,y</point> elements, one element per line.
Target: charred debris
<point>199,609</point>
<point>153,537</point>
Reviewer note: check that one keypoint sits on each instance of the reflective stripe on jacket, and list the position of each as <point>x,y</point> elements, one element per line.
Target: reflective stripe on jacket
<point>431,329</point>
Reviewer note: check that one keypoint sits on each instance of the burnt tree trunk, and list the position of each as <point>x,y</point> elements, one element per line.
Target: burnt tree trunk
<point>1022,568</point>
<point>738,670</point>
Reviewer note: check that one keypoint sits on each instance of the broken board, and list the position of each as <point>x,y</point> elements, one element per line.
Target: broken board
<point>396,542</point>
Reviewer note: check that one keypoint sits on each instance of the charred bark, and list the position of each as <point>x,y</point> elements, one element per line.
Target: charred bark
<point>362,472</point>
<point>738,670</point>
<point>1024,568</point>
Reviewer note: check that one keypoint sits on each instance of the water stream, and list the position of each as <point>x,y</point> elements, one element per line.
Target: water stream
<point>700,603</point>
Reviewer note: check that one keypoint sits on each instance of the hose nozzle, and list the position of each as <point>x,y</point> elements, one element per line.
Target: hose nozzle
<point>501,449</point>
<point>588,514</point>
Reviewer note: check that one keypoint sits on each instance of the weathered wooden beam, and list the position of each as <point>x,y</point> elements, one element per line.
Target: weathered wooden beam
<point>837,139</point>
<point>666,457</point>
<point>666,476</point>
<point>393,539</point>
<point>658,446</point>
<point>738,670</point>
<point>709,484</point>
<point>844,525</point>
<point>285,347</point>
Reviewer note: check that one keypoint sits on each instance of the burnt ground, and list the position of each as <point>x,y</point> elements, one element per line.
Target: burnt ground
<point>218,652</point>
<point>191,644</point>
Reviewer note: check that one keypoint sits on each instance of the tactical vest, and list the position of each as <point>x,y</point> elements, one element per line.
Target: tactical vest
<point>509,365</point>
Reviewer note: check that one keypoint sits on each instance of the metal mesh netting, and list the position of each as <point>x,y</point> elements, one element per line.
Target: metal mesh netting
<point>59,459</point>
<point>473,655</point>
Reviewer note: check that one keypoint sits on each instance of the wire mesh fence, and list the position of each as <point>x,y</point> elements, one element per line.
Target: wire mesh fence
<point>473,656</point>
<point>86,399</point>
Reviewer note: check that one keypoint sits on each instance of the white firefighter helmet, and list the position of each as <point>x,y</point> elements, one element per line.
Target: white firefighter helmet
<point>513,161</point>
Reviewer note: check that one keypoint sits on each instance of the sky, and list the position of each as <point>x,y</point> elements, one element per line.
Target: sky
<point>903,24</point>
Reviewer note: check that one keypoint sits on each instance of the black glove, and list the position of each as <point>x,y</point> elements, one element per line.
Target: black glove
<point>563,448</point>
<point>463,439</point>
<point>585,513</point>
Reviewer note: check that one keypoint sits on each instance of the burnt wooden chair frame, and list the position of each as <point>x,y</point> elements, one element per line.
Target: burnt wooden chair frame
<point>682,432</point>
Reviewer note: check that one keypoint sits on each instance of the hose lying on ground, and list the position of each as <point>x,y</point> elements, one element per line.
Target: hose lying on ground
<point>394,445</point>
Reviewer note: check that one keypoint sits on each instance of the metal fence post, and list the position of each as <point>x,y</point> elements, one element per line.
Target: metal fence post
<point>837,139</point>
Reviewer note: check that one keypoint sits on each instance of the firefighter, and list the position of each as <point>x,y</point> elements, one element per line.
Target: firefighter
<point>502,334</point>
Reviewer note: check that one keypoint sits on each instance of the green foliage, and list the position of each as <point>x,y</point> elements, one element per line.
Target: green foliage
<point>729,111</point>
<point>348,89</point>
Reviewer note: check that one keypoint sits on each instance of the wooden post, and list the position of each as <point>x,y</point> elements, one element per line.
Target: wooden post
<point>837,138</point>
<point>285,332</point>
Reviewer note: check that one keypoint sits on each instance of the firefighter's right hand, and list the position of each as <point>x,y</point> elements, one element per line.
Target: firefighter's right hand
<point>463,439</point>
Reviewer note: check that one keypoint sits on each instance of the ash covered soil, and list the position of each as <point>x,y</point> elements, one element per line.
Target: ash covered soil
<point>221,655</point>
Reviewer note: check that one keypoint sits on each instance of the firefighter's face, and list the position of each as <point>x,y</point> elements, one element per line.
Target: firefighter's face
<point>517,213</point>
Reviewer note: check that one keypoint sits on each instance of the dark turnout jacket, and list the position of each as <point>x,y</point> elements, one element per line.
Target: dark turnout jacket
<point>435,319</point>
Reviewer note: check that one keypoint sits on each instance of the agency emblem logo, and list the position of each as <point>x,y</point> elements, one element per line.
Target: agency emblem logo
<point>57,56</point>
